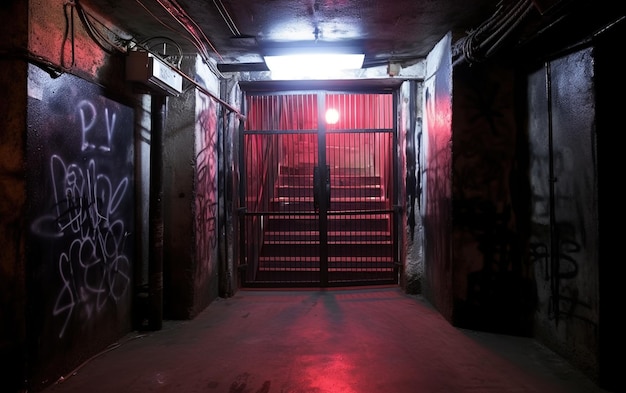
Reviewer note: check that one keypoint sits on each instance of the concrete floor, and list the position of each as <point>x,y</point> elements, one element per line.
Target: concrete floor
<point>321,341</point>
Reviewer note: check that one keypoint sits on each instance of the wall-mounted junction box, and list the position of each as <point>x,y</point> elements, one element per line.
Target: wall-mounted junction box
<point>143,67</point>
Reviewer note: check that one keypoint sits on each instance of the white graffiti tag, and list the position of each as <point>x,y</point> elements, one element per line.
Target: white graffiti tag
<point>93,269</point>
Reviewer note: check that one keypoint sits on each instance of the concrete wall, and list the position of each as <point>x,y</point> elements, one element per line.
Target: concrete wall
<point>141,271</point>
<point>190,183</point>
<point>403,119</point>
<point>436,198</point>
<point>13,29</point>
<point>473,198</point>
<point>207,175</point>
<point>493,283</point>
<point>511,200</point>
<point>609,78</point>
<point>414,236</point>
<point>179,193</point>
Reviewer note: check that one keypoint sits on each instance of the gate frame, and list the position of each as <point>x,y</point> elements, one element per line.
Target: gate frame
<point>320,89</point>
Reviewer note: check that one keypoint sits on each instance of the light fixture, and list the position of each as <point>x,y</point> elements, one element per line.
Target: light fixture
<point>315,61</point>
<point>312,61</point>
<point>332,116</point>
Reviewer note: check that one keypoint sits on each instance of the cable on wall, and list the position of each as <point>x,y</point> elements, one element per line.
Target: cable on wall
<point>484,41</point>
<point>180,16</point>
<point>110,41</point>
<point>227,18</point>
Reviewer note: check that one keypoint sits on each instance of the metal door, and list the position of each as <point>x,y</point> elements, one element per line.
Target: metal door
<point>318,190</point>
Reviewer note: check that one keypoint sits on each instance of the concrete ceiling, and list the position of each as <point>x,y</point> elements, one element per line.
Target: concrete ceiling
<point>235,33</point>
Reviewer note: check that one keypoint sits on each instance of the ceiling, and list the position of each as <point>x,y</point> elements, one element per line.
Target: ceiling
<point>235,33</point>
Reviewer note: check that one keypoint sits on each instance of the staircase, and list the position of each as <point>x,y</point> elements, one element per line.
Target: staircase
<point>359,243</point>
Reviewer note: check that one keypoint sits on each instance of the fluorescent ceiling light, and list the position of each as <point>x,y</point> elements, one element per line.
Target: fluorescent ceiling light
<point>313,63</point>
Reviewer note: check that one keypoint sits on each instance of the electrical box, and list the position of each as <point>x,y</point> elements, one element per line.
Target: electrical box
<point>143,67</point>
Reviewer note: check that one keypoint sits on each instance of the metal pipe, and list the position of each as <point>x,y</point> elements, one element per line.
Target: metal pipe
<point>554,228</point>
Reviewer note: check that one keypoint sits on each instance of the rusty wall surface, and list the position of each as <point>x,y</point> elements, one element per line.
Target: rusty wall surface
<point>493,284</point>
<point>564,238</point>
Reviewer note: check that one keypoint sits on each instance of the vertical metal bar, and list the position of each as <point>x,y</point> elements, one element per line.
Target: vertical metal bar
<point>394,191</point>
<point>323,213</point>
<point>554,228</point>
<point>243,178</point>
<point>243,222</point>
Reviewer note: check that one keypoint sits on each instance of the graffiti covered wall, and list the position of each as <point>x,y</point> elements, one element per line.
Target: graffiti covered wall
<point>207,151</point>
<point>564,233</point>
<point>190,212</point>
<point>80,191</point>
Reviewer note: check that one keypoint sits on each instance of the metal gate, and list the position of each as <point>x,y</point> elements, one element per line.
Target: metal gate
<point>318,190</point>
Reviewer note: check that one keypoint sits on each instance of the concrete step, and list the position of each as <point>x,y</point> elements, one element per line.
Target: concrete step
<point>335,249</point>
<point>363,191</point>
<point>335,180</point>
<point>334,264</point>
<point>333,236</point>
<point>338,204</point>
<point>338,223</point>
